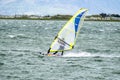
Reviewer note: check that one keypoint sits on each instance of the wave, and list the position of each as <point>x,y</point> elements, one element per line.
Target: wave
<point>11,36</point>
<point>18,36</point>
<point>86,54</point>
<point>15,50</point>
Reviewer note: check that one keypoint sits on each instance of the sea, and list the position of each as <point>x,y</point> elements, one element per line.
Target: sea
<point>96,54</point>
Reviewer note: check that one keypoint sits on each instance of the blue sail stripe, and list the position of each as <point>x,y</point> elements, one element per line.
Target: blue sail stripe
<point>77,20</point>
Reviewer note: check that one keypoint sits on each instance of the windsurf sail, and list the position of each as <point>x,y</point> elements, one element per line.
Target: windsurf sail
<point>66,38</point>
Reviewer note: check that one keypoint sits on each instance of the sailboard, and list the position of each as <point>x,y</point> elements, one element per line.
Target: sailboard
<point>66,37</point>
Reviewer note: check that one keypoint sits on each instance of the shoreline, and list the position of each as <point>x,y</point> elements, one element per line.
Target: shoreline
<point>54,19</point>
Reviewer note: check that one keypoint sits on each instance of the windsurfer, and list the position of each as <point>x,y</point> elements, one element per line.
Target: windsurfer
<point>66,38</point>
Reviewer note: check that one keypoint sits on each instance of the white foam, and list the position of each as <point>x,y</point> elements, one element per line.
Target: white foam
<point>86,54</point>
<point>16,35</point>
<point>11,36</point>
<point>46,28</point>
<point>101,30</point>
<point>24,25</point>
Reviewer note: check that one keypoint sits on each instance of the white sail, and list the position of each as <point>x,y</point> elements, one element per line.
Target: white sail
<point>66,38</point>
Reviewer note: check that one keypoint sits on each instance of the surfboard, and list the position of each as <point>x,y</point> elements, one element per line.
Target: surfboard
<point>43,54</point>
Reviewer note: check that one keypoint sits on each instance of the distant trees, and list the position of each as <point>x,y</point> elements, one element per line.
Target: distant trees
<point>24,16</point>
<point>58,16</point>
<point>103,15</point>
<point>115,15</point>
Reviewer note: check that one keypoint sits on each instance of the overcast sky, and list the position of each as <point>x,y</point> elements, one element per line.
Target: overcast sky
<point>52,7</point>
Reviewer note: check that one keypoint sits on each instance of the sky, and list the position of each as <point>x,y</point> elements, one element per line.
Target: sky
<point>53,7</point>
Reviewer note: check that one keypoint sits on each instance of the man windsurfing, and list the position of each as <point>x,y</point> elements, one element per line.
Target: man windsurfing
<point>66,38</point>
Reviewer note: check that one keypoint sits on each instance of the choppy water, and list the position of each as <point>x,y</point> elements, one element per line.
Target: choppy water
<point>96,55</point>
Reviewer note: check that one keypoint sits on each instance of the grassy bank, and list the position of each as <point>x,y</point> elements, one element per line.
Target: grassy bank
<point>54,19</point>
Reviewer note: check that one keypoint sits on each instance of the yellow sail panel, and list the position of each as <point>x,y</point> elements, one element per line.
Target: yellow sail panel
<point>66,38</point>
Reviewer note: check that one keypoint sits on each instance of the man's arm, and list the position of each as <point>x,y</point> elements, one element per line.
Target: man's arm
<point>55,37</point>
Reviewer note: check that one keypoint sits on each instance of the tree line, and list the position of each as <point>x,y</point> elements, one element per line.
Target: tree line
<point>109,15</point>
<point>58,16</point>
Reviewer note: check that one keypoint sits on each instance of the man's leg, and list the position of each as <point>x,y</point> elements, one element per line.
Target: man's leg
<point>62,53</point>
<point>55,52</point>
<point>48,51</point>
